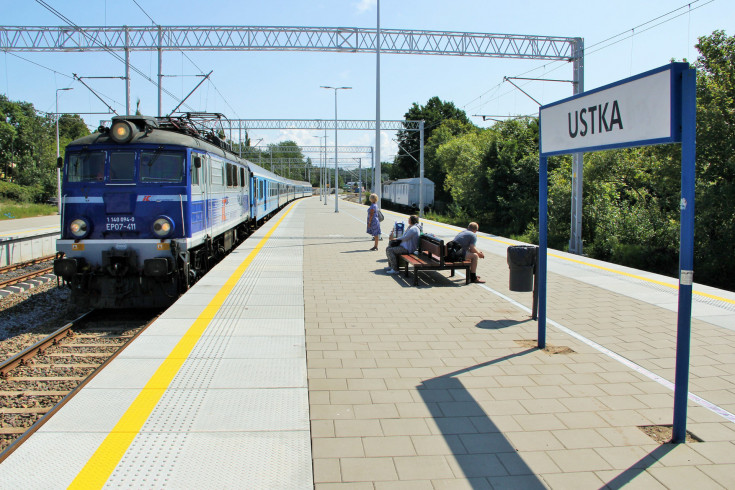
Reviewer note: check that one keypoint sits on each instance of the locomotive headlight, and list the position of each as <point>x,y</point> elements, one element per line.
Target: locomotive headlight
<point>162,227</point>
<point>122,131</point>
<point>79,228</point>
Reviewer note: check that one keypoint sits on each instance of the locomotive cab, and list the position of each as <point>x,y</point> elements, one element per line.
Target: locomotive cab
<point>124,204</point>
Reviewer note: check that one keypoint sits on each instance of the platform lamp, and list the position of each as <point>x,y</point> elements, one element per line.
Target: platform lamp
<point>58,170</point>
<point>336,162</point>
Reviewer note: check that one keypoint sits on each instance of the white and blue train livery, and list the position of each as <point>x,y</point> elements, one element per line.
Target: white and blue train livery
<point>150,204</point>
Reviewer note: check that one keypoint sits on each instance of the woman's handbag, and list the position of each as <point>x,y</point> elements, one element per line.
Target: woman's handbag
<point>394,243</point>
<point>380,216</point>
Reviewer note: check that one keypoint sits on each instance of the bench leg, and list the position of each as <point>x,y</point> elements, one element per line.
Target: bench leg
<point>452,274</point>
<point>415,276</point>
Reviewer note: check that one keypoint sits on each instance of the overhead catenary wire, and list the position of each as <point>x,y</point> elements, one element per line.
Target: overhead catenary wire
<point>105,48</point>
<point>58,73</point>
<point>600,45</point>
<point>192,62</point>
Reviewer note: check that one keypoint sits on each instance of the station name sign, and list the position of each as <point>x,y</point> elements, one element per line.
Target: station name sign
<point>641,110</point>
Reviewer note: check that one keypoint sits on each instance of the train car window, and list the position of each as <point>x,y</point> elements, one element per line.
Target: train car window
<point>230,174</point>
<point>217,174</point>
<point>122,166</point>
<point>161,166</point>
<point>242,177</point>
<point>194,171</point>
<point>87,166</point>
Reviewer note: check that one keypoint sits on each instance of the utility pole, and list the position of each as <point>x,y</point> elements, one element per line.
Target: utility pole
<point>58,170</point>
<point>336,163</point>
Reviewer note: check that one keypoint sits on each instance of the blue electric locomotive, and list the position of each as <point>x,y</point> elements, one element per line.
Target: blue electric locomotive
<point>149,205</point>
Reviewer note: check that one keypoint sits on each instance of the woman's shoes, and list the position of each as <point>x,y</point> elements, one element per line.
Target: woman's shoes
<point>374,248</point>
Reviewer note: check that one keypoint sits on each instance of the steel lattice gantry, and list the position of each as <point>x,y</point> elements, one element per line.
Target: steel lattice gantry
<point>243,38</point>
<point>311,149</point>
<point>322,39</point>
<point>342,124</point>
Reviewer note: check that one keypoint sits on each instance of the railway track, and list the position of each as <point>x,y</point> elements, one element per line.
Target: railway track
<point>38,381</point>
<point>25,277</point>
<point>20,265</point>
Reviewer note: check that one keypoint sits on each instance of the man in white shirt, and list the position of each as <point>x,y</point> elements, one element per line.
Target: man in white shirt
<point>409,244</point>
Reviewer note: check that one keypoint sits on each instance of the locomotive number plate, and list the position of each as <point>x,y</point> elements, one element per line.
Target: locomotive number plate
<point>120,223</point>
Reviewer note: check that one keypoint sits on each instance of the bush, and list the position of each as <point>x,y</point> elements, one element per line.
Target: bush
<point>19,193</point>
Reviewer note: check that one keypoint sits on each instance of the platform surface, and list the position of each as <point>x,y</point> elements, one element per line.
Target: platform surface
<point>40,225</point>
<point>319,370</point>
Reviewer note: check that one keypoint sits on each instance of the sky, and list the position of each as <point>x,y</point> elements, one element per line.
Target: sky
<point>622,38</point>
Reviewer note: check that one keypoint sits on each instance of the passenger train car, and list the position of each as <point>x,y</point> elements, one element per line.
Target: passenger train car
<point>150,204</point>
<point>405,193</point>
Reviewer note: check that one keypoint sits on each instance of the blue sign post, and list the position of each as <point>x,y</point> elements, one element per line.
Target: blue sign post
<point>655,107</point>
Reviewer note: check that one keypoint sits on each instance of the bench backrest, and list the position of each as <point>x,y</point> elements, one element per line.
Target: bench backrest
<point>432,248</point>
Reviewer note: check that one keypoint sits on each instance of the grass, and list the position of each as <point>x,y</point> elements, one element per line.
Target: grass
<point>15,210</point>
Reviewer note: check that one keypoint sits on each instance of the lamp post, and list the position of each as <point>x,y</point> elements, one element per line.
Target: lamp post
<point>336,162</point>
<point>321,173</point>
<point>359,181</point>
<point>58,170</point>
<point>326,176</point>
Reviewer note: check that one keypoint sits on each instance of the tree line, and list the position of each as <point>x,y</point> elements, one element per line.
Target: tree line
<point>631,196</point>
<point>28,149</point>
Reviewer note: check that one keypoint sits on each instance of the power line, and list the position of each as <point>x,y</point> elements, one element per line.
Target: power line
<point>37,64</point>
<point>191,61</point>
<point>631,32</point>
<point>57,73</point>
<point>105,48</point>
<point>146,13</point>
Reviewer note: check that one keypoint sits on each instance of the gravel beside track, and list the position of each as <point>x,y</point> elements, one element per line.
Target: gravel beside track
<point>23,269</point>
<point>33,389</point>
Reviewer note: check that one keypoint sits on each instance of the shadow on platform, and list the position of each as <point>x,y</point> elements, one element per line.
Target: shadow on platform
<point>477,444</point>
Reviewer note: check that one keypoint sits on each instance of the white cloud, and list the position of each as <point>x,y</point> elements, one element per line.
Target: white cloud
<point>365,5</point>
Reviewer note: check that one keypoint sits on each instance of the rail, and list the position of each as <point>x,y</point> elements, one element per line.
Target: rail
<point>31,351</point>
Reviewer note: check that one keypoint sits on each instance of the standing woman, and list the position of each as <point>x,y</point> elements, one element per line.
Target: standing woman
<point>373,224</point>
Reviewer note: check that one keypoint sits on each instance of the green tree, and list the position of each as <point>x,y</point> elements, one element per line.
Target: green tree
<point>715,167</point>
<point>512,175</point>
<point>463,158</point>
<point>71,127</point>
<point>27,147</point>
<point>433,170</point>
<point>281,151</point>
<point>629,217</point>
<point>433,114</point>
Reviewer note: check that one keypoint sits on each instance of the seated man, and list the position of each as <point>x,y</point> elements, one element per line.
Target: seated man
<point>468,239</point>
<point>409,244</point>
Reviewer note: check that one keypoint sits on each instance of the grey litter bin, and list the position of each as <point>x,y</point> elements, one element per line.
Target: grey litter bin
<point>521,260</point>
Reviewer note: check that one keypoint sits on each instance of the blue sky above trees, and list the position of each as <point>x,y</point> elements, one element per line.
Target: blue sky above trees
<point>286,84</point>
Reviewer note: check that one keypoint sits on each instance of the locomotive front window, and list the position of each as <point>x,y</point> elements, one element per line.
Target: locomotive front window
<point>161,166</point>
<point>87,166</point>
<point>122,166</point>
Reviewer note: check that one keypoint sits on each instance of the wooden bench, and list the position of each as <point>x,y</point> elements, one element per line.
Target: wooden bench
<point>431,256</point>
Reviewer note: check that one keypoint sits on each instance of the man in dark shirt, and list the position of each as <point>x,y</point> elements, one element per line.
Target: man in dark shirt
<point>467,239</point>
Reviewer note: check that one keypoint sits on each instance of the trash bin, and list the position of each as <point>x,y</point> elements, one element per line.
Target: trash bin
<point>521,260</point>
